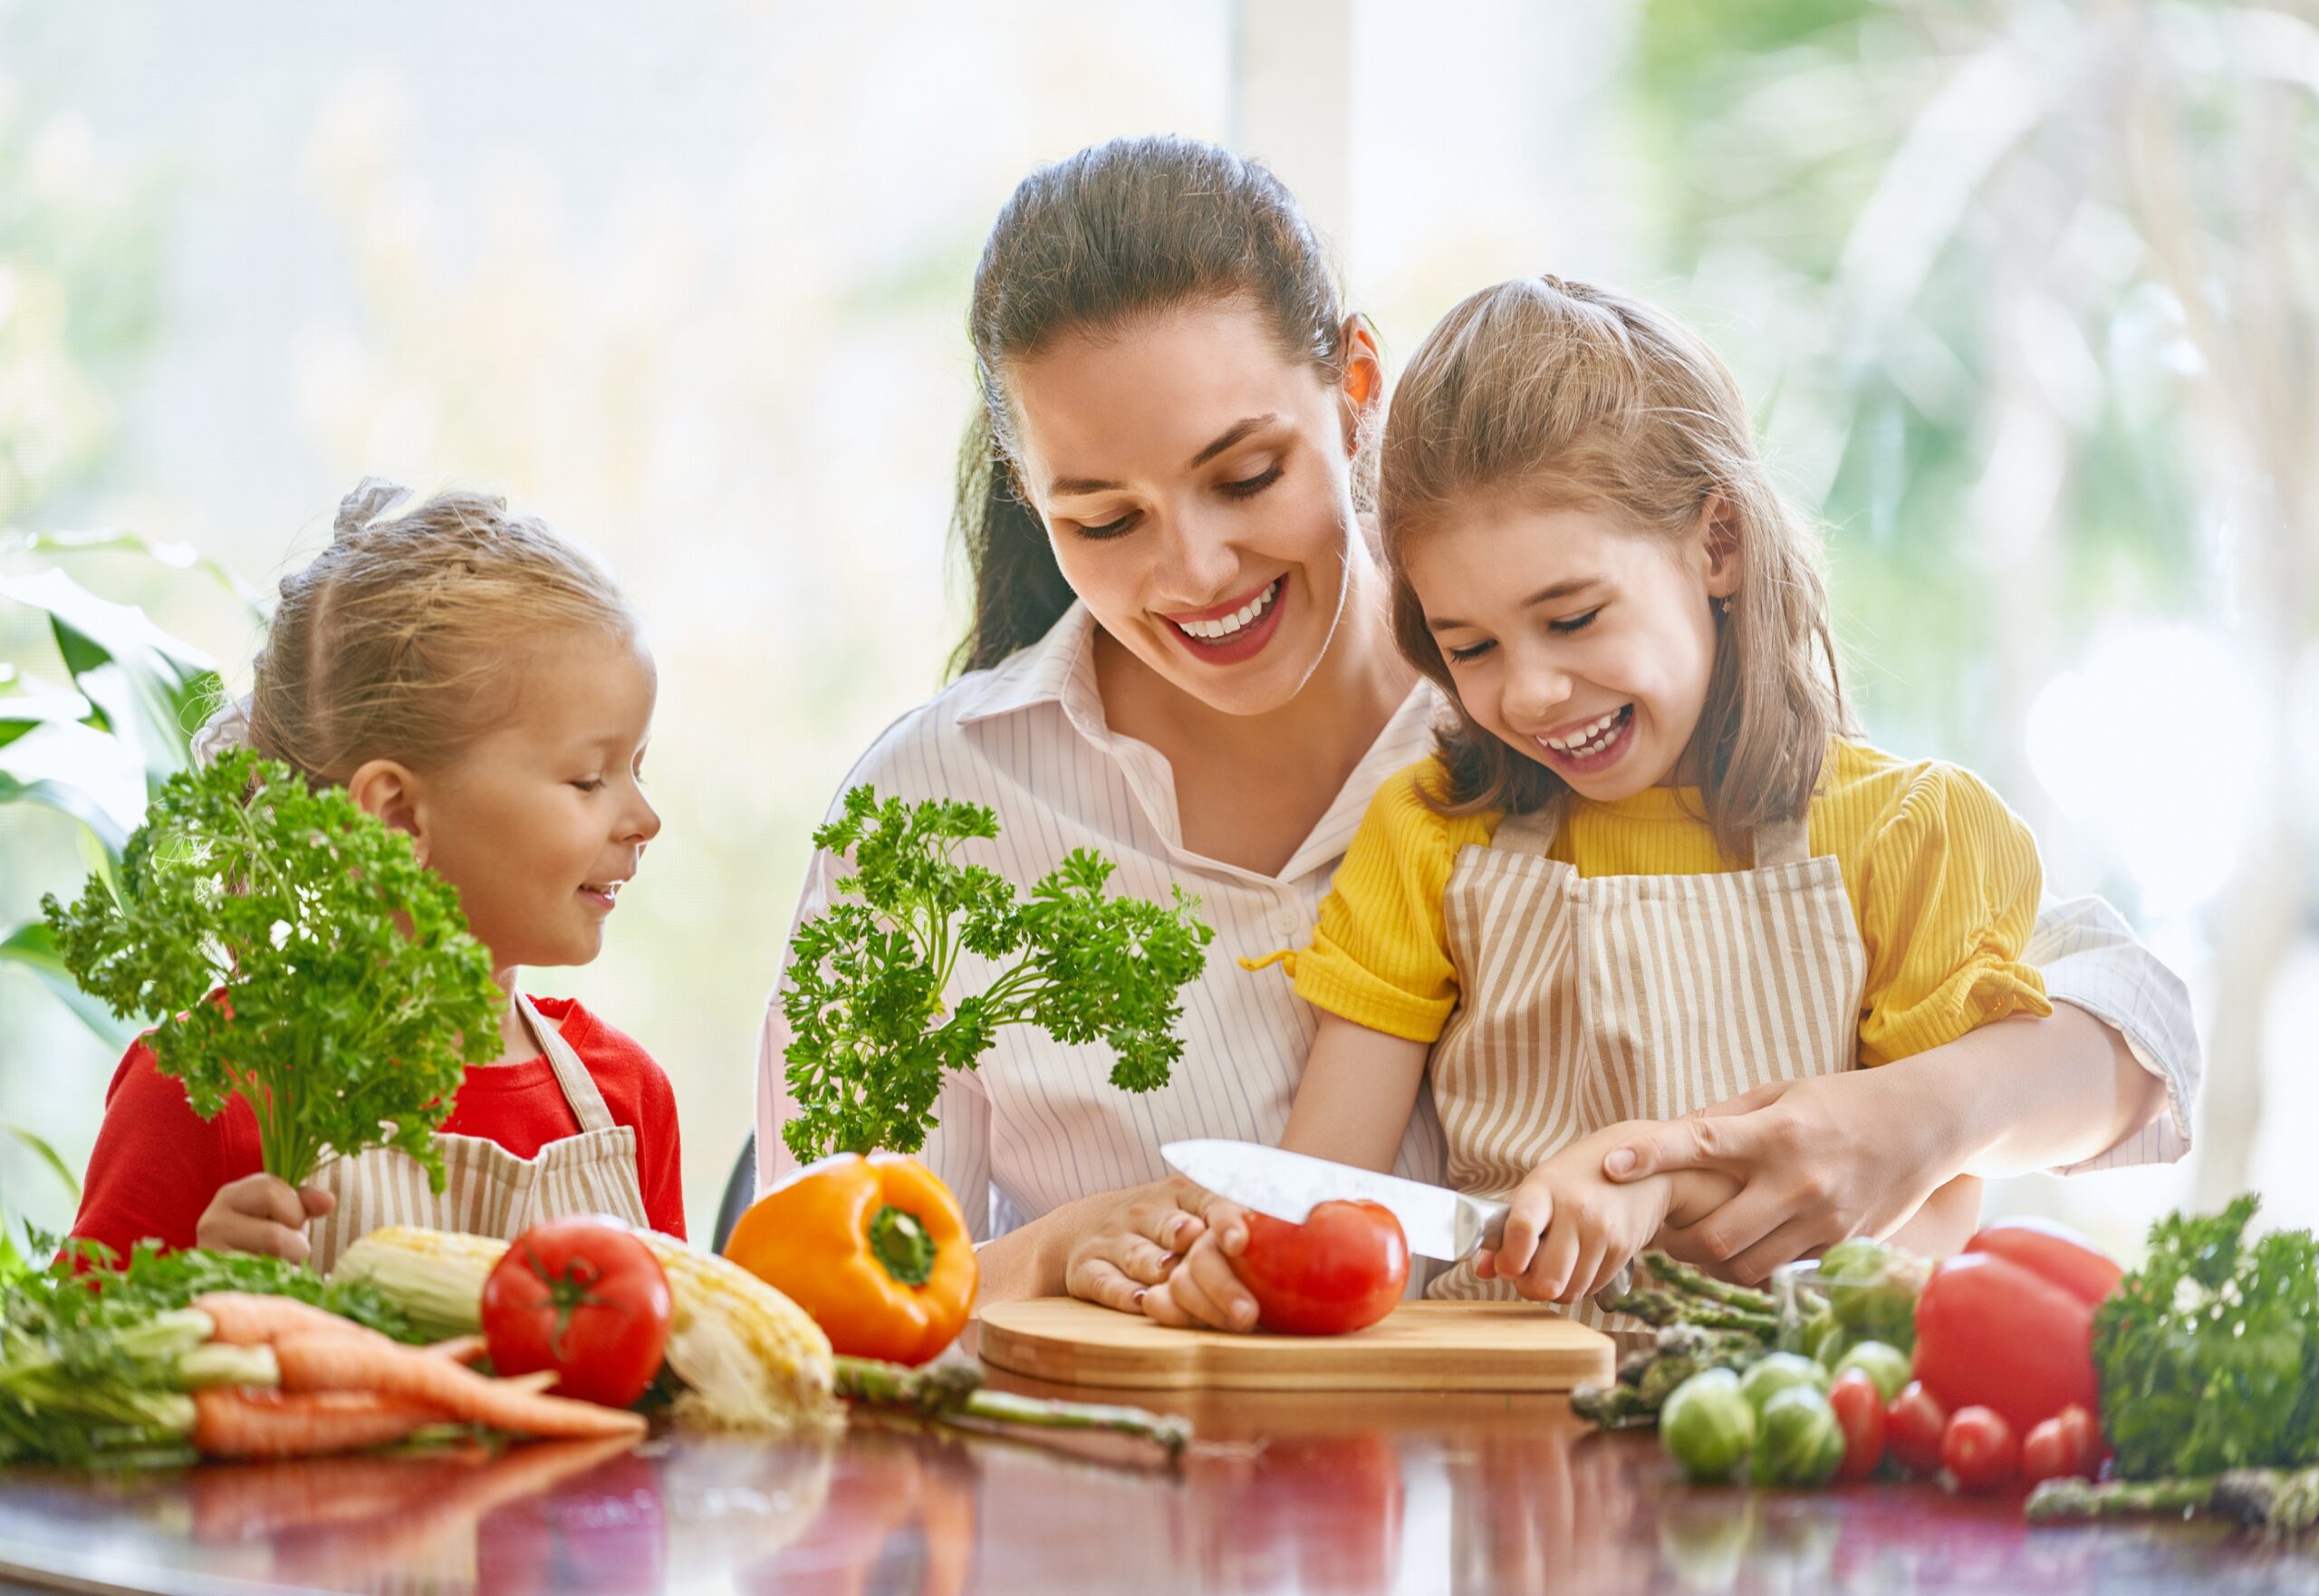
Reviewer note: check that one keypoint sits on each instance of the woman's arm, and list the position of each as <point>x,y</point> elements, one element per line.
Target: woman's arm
<point>1859,1153</point>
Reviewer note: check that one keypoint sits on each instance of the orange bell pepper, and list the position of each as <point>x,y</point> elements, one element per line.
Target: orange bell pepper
<point>874,1248</point>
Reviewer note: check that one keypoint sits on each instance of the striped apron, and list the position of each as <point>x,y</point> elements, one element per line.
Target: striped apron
<point>1585,1002</point>
<point>490,1190</point>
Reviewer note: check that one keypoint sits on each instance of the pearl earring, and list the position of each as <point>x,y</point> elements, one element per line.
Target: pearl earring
<point>1727,606</point>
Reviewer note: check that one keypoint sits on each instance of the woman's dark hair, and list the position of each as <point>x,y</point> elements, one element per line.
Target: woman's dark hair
<point>1085,246</point>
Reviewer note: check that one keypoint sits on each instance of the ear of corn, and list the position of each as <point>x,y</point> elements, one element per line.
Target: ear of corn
<point>749,1358</point>
<point>435,1276</point>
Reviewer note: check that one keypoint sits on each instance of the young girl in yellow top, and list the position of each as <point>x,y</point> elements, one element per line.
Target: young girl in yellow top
<point>1648,867</point>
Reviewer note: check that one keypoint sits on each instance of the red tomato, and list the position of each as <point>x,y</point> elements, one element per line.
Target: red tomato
<point>1990,1334</point>
<point>1913,1427</point>
<point>2087,1450</point>
<point>1979,1449</point>
<point>2045,1454</point>
<point>1860,1409</point>
<point>583,1297</point>
<point>2055,1252</point>
<point>1342,1269</point>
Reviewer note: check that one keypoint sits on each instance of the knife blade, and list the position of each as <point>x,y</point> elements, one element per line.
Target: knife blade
<point>1438,1223</point>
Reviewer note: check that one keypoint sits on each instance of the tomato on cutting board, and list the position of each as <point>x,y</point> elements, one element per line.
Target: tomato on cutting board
<point>1340,1270</point>
<point>583,1298</point>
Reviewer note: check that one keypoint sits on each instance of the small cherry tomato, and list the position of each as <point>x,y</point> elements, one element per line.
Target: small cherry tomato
<point>1978,1448</point>
<point>1913,1427</point>
<point>2087,1450</point>
<point>2045,1453</point>
<point>1342,1269</point>
<point>1860,1412</point>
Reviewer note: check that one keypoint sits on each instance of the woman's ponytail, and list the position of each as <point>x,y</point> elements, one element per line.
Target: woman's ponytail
<point>1019,589</point>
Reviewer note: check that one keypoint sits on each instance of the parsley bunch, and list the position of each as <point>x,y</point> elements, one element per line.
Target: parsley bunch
<point>2208,1354</point>
<point>354,996</point>
<point>872,1042</point>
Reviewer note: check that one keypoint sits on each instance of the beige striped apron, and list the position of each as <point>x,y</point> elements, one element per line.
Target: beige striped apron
<point>490,1191</point>
<point>1587,1001</point>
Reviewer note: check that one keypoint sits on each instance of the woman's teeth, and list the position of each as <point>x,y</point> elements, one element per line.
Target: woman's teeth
<point>1589,740</point>
<point>1244,617</point>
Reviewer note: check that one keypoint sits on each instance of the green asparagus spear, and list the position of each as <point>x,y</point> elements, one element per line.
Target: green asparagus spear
<point>1698,1282</point>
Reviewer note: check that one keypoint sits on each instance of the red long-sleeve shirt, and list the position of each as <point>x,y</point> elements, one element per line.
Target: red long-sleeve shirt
<point>157,1163</point>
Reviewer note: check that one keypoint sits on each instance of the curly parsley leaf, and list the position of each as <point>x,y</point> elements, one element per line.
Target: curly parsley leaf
<point>872,1042</point>
<point>2208,1354</point>
<point>312,966</point>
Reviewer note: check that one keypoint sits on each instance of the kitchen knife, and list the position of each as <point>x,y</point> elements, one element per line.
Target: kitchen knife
<point>1438,1223</point>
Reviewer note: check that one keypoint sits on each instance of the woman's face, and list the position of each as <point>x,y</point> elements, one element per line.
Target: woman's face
<point>1197,485</point>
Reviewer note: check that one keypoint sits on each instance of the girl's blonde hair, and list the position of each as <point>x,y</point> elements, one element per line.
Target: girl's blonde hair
<point>400,640</point>
<point>1562,396</point>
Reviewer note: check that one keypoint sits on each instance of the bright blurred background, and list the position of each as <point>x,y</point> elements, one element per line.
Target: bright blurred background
<point>2026,296</point>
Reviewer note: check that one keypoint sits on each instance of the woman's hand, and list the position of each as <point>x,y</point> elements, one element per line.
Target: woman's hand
<point>1203,1291</point>
<point>1817,1160</point>
<point>261,1214</point>
<point>1132,1241</point>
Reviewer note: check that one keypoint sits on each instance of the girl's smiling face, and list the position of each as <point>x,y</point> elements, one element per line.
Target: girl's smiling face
<point>1197,485</point>
<point>541,823</point>
<point>1579,641</point>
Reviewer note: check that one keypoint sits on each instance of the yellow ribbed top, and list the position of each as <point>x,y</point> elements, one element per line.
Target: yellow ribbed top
<point>1943,879</point>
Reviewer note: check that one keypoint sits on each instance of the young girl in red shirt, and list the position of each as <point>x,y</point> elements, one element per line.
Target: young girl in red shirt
<point>475,680</point>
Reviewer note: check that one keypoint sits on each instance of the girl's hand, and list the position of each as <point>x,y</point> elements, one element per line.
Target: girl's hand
<point>261,1214</point>
<point>1204,1291</point>
<point>1571,1231</point>
<point>1131,1243</point>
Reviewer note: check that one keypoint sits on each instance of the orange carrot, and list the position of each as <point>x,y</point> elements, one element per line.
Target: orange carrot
<point>247,1319</point>
<point>234,1421</point>
<point>339,1364</point>
<point>459,1349</point>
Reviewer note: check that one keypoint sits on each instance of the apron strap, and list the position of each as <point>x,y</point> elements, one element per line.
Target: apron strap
<point>1532,832</point>
<point>1784,842</point>
<point>578,1087</point>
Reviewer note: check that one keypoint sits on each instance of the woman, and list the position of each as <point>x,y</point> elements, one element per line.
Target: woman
<point>1181,654</point>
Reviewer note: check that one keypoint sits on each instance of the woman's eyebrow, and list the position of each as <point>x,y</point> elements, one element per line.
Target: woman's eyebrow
<point>1066,486</point>
<point>1232,434</point>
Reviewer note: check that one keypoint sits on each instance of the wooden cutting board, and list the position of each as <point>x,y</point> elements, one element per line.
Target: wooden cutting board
<point>1418,1347</point>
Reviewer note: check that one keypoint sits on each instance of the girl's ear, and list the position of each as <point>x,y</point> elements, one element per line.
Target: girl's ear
<point>390,791</point>
<point>1364,382</point>
<point>1719,529</point>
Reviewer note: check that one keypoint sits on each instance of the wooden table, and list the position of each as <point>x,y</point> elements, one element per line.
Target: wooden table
<point>1305,1493</point>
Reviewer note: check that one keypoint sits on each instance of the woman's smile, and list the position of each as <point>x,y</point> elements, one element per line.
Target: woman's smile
<point>1237,630</point>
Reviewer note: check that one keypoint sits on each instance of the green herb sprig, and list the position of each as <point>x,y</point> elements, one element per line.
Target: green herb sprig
<point>872,1042</point>
<point>352,996</point>
<point>2208,1354</point>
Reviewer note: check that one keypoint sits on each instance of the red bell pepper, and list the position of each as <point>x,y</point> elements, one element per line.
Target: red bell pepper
<point>2054,1251</point>
<point>1992,1333</point>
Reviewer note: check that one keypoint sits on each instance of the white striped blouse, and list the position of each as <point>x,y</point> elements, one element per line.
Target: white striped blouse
<point>1039,1124</point>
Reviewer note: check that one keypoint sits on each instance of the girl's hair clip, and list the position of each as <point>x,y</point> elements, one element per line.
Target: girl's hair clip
<point>223,733</point>
<point>373,497</point>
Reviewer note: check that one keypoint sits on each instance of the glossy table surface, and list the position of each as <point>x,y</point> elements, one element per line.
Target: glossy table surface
<point>1303,1493</point>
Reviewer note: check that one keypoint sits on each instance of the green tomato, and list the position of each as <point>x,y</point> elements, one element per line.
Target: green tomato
<point>1870,1292</point>
<point>1775,1372</point>
<point>1707,1426</point>
<point>1832,1351</point>
<point>1799,1441</point>
<point>1883,1362</point>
